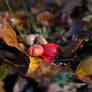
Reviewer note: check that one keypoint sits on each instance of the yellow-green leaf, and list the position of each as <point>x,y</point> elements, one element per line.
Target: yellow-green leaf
<point>39,69</point>
<point>3,71</point>
<point>84,68</point>
<point>34,63</point>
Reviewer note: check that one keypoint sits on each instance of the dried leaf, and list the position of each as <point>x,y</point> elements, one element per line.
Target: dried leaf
<point>39,69</point>
<point>44,18</point>
<point>77,46</point>
<point>12,56</point>
<point>75,31</point>
<point>86,79</point>
<point>9,36</point>
<point>84,68</point>
<point>71,47</point>
<point>19,64</point>
<point>34,63</point>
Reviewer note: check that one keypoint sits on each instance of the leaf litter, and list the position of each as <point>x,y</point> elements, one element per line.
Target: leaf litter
<point>63,32</point>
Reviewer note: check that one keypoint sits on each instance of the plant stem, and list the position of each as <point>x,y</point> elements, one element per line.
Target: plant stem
<point>30,20</point>
<point>9,8</point>
<point>42,21</point>
<point>12,14</point>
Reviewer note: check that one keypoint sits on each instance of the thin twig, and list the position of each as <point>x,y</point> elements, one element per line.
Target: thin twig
<point>64,59</point>
<point>9,63</point>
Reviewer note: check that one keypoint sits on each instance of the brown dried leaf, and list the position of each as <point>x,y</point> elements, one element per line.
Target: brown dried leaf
<point>9,36</point>
<point>40,70</point>
<point>44,18</point>
<point>87,79</point>
<point>77,46</point>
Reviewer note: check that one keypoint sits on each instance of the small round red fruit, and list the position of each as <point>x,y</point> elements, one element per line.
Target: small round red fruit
<point>35,50</point>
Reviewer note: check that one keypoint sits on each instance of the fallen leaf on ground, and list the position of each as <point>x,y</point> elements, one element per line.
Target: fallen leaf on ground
<point>40,70</point>
<point>9,36</point>
<point>77,46</point>
<point>44,18</point>
<point>34,63</point>
<point>84,68</point>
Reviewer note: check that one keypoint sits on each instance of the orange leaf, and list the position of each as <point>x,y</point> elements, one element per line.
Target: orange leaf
<point>9,36</point>
<point>79,43</point>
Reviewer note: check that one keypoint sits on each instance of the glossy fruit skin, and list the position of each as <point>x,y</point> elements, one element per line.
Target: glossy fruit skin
<point>36,50</point>
<point>50,50</point>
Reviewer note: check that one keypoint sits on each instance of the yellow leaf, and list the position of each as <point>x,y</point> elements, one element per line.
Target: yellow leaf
<point>84,68</point>
<point>34,62</point>
<point>39,69</point>
<point>9,36</point>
